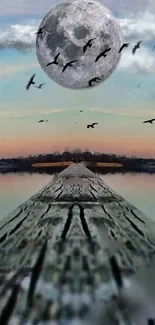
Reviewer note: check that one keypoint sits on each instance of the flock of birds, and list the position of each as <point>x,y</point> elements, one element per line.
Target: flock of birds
<point>88,44</point>
<point>88,126</point>
<point>32,82</point>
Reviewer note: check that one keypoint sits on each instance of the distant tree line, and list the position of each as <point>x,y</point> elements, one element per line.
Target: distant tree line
<point>25,163</point>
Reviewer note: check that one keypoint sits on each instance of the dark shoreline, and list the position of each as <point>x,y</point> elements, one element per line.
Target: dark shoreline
<point>34,164</point>
<point>51,171</point>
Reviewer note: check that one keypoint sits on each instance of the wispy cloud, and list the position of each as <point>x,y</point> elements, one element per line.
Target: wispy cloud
<point>19,114</point>
<point>7,70</point>
<point>141,26</point>
<point>143,61</point>
<point>125,112</point>
<point>20,37</point>
<point>131,112</point>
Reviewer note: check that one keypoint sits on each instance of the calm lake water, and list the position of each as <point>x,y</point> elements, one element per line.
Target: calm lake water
<point>139,189</point>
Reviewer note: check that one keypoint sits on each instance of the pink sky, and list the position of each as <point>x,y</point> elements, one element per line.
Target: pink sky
<point>24,147</point>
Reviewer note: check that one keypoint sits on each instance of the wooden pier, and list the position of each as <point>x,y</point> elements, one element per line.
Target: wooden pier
<point>76,253</point>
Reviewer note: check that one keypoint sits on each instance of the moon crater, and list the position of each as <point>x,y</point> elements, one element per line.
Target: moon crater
<point>68,27</point>
<point>81,32</point>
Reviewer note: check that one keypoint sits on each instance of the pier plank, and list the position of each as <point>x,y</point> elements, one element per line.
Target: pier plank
<point>84,223</point>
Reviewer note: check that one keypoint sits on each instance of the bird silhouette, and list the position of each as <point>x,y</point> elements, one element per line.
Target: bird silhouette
<point>68,64</point>
<point>30,82</point>
<point>41,121</point>
<point>93,80</point>
<point>123,46</point>
<point>91,125</point>
<point>55,60</point>
<point>40,86</point>
<point>81,111</point>
<point>103,53</point>
<point>149,121</point>
<point>88,44</point>
<point>136,47</point>
<point>40,30</point>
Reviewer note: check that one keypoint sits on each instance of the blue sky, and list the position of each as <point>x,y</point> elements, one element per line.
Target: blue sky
<point>118,104</point>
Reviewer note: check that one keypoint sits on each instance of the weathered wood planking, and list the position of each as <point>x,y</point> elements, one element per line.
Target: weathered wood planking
<point>84,221</point>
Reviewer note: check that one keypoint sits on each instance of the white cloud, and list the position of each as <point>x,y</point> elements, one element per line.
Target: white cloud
<point>20,37</point>
<point>143,61</point>
<point>141,26</point>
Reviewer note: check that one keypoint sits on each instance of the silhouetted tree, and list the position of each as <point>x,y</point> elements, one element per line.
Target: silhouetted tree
<point>20,163</point>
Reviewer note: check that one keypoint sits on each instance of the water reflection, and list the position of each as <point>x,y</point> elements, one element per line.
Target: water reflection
<point>138,188</point>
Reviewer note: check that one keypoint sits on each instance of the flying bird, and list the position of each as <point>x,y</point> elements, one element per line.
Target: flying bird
<point>40,86</point>
<point>55,60</point>
<point>136,47</point>
<point>69,64</point>
<point>41,121</point>
<point>31,82</point>
<point>81,111</point>
<point>103,53</point>
<point>91,125</point>
<point>88,44</point>
<point>93,80</point>
<point>123,46</point>
<point>149,121</point>
<point>40,31</point>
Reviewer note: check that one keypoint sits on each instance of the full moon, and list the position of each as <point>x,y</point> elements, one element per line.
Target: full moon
<point>67,28</point>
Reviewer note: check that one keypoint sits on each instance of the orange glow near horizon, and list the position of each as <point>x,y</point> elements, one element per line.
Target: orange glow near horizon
<point>114,134</point>
<point>68,163</point>
<point>109,144</point>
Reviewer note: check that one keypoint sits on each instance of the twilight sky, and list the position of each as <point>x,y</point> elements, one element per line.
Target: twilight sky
<point>120,104</point>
